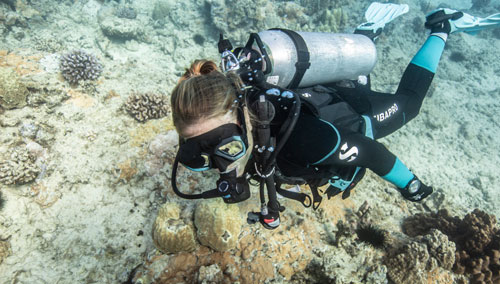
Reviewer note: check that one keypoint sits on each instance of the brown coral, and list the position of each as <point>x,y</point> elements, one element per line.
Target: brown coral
<point>421,224</point>
<point>218,224</point>
<point>4,250</point>
<point>12,91</point>
<point>419,260</point>
<point>170,233</point>
<point>479,229</point>
<point>147,106</point>
<point>476,237</point>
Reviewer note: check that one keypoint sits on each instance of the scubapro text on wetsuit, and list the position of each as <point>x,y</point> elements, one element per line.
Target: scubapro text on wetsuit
<point>386,114</point>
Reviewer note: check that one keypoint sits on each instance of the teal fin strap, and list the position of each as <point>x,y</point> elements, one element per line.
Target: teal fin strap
<point>379,14</point>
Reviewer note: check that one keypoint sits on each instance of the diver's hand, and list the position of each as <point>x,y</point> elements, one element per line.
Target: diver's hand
<point>438,21</point>
<point>415,190</point>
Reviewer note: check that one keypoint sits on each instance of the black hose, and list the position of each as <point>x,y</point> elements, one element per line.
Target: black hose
<point>271,193</point>
<point>174,183</point>
<point>286,135</point>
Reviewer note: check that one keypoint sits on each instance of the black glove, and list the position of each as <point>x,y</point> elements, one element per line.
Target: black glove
<point>415,190</point>
<point>438,21</point>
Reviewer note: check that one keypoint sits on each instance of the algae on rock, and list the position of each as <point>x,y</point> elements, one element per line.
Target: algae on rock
<point>4,250</point>
<point>218,224</point>
<point>12,91</point>
<point>162,9</point>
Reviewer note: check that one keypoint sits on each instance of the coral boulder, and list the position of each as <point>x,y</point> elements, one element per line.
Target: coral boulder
<point>12,92</point>
<point>218,224</point>
<point>170,233</point>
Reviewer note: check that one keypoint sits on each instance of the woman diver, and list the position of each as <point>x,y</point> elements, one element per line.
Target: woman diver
<point>237,122</point>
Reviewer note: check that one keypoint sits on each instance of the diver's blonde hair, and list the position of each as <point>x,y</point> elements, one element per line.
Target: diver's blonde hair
<point>203,92</point>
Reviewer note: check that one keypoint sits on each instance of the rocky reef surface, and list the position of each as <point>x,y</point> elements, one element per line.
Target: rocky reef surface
<point>85,165</point>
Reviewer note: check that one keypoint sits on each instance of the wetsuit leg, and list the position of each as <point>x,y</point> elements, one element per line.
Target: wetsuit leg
<point>390,112</point>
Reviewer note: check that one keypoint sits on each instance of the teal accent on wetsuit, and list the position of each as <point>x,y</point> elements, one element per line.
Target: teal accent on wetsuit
<point>399,175</point>
<point>368,126</point>
<point>429,54</point>
<point>336,146</point>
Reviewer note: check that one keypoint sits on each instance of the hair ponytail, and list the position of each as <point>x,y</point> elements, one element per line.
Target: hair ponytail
<point>203,92</point>
<point>199,67</point>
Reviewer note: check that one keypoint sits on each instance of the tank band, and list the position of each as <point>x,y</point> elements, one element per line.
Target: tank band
<point>303,57</point>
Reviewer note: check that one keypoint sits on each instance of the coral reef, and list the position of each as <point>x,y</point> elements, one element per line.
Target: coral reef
<point>125,12</point>
<point>43,195</point>
<point>120,26</point>
<point>280,256</point>
<point>161,148</point>
<point>162,9</point>
<point>12,92</point>
<point>21,64</point>
<point>218,224</point>
<point>415,261</point>
<point>210,274</point>
<point>147,106</point>
<point>476,237</point>
<point>79,65</point>
<point>49,44</point>
<point>235,18</point>
<point>126,170</point>
<point>4,250</point>
<point>11,3</point>
<point>19,168</point>
<point>170,233</point>
<point>28,130</point>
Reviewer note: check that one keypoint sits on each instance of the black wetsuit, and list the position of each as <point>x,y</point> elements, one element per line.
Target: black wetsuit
<point>317,142</point>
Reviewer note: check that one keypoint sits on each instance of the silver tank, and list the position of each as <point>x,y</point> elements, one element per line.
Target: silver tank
<point>333,57</point>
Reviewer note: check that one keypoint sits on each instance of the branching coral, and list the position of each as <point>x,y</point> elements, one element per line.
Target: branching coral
<point>476,237</point>
<point>20,168</point>
<point>79,65</point>
<point>147,106</point>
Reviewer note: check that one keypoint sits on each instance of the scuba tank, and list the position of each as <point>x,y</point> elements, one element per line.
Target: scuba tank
<point>303,59</point>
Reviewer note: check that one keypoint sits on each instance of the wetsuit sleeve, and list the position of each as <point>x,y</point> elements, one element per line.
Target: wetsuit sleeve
<point>355,149</point>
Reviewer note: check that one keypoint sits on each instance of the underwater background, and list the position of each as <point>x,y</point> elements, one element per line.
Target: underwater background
<point>85,156</point>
